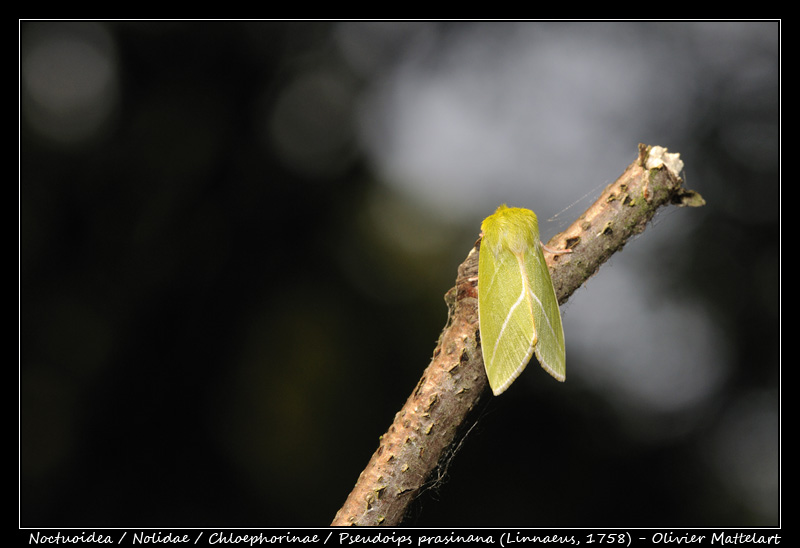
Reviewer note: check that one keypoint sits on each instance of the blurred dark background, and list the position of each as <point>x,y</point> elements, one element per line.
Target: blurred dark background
<point>235,238</point>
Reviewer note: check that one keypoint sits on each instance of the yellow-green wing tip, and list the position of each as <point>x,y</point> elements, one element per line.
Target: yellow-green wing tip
<point>558,374</point>
<point>503,387</point>
<point>503,384</point>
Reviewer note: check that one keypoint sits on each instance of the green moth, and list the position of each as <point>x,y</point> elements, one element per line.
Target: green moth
<point>517,305</point>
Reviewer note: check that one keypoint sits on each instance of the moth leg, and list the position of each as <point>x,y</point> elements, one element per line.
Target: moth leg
<point>555,251</point>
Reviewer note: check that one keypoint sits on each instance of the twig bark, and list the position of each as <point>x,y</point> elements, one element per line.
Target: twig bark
<point>454,381</point>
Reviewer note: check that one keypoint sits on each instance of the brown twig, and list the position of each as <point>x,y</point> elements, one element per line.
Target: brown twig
<point>454,381</point>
